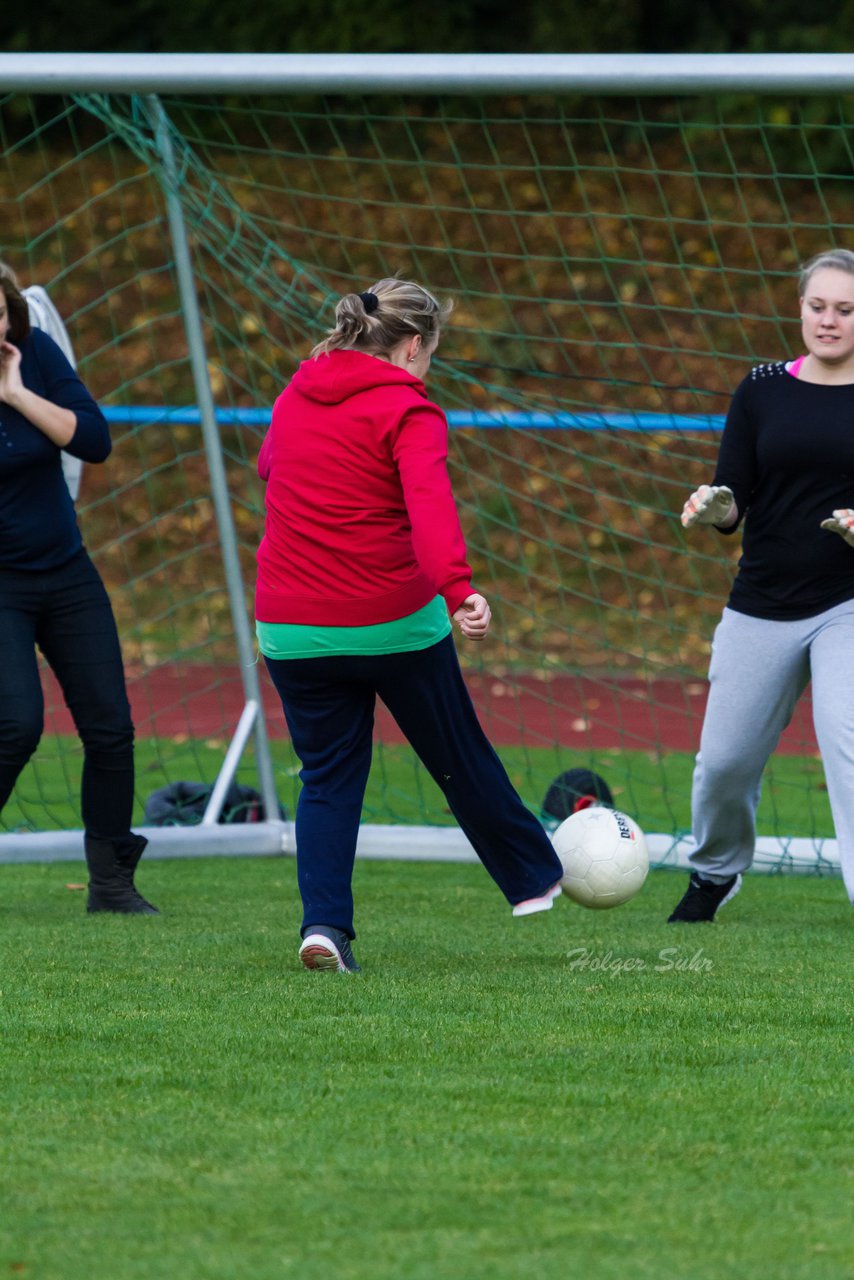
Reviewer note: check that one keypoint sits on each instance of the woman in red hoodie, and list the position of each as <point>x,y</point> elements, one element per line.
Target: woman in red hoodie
<point>360,570</point>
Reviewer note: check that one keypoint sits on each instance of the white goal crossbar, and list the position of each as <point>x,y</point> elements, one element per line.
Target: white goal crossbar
<point>417,73</point>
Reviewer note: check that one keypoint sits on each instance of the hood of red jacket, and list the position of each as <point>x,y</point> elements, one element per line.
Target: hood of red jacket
<point>333,378</point>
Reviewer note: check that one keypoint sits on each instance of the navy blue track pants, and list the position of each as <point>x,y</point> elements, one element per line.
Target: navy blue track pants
<point>329,706</point>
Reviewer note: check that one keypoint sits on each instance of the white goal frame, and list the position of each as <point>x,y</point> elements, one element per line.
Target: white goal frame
<point>460,74</point>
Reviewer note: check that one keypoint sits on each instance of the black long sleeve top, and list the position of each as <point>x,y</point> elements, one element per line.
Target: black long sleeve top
<point>38,523</point>
<point>787,453</point>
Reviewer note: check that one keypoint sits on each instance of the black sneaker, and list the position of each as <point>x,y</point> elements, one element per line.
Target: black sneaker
<point>326,948</point>
<point>703,898</point>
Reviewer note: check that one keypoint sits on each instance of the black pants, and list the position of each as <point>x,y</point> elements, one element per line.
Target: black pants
<point>329,707</point>
<point>67,614</point>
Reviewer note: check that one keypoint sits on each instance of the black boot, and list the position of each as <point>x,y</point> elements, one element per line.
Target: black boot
<point>112,864</point>
<point>129,850</point>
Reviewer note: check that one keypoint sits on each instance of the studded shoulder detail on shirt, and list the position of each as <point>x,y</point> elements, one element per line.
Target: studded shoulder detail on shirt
<point>774,370</point>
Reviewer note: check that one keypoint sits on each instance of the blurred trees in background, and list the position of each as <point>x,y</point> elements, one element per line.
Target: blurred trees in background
<point>461,26</point>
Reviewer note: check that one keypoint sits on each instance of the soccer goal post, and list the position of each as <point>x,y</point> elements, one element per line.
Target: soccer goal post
<point>620,236</point>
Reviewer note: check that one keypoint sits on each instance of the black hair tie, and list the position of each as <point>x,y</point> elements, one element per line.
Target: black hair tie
<point>371,302</point>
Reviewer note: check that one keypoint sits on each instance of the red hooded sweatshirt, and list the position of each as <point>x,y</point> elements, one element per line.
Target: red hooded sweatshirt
<point>361,524</point>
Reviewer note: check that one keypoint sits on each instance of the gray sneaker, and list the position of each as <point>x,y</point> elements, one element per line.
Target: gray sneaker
<point>326,948</point>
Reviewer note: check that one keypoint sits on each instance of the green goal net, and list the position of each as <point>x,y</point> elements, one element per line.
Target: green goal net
<point>616,265</point>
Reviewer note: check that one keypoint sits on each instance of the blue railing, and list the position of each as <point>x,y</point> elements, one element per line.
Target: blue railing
<point>131,415</point>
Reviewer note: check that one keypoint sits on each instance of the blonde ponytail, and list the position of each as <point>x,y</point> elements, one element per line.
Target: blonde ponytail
<point>377,320</point>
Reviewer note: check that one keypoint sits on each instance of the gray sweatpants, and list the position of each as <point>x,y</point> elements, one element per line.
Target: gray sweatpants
<point>758,671</point>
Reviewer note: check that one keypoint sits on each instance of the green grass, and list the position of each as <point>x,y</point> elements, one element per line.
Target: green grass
<point>655,789</point>
<point>492,1098</point>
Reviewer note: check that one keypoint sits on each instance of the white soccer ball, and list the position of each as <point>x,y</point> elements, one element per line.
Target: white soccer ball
<point>604,857</point>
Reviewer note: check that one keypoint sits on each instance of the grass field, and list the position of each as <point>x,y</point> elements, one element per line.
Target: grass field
<point>583,1094</point>
<point>653,788</point>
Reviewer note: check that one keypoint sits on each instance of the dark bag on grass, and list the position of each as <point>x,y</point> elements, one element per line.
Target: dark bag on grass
<point>183,804</point>
<point>573,791</point>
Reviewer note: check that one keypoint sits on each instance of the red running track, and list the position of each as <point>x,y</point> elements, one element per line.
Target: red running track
<point>576,712</point>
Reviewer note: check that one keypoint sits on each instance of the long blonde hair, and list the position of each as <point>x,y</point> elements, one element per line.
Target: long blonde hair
<point>377,320</point>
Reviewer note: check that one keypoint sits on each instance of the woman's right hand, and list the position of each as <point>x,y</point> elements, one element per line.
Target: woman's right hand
<point>710,504</point>
<point>10,372</point>
<point>474,616</point>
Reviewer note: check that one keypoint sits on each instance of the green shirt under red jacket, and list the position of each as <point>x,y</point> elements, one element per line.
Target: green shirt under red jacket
<point>416,631</point>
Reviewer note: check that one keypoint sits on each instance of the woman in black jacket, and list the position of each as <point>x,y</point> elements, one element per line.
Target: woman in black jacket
<point>52,598</point>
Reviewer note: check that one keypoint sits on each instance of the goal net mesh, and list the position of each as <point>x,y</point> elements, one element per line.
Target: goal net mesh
<point>616,266</point>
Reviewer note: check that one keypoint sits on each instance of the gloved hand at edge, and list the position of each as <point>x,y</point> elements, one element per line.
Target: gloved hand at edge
<point>841,522</point>
<point>710,504</point>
